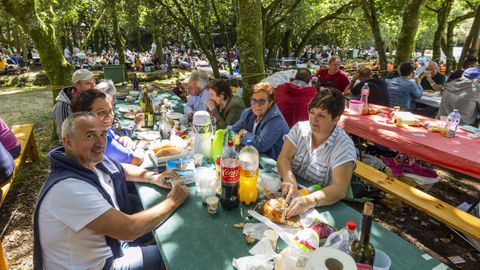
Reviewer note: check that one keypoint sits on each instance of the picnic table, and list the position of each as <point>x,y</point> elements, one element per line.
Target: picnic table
<point>192,238</point>
<point>459,154</point>
<point>431,101</point>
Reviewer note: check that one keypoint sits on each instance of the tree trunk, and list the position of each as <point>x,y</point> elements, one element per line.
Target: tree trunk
<point>470,48</point>
<point>442,16</point>
<point>43,36</point>
<point>159,42</point>
<point>119,41</point>
<point>451,62</point>
<point>406,38</point>
<point>286,43</point>
<point>250,41</point>
<point>370,12</point>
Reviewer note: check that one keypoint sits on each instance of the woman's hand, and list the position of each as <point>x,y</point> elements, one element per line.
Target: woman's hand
<point>160,179</point>
<point>289,190</point>
<point>300,205</point>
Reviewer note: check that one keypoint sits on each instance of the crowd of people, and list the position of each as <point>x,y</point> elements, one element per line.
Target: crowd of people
<point>88,214</point>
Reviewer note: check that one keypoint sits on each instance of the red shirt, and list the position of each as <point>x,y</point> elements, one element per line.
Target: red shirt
<point>338,81</point>
<point>293,102</point>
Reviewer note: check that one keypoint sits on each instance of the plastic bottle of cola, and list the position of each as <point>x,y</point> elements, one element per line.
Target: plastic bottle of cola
<point>230,175</point>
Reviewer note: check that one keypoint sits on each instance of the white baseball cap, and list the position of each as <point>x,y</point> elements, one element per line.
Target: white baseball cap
<point>81,75</point>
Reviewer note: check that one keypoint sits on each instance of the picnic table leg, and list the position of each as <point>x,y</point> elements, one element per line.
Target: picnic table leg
<point>32,152</point>
<point>3,259</point>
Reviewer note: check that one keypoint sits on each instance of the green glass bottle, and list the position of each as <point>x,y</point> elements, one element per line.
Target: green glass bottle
<point>148,111</point>
<point>361,249</point>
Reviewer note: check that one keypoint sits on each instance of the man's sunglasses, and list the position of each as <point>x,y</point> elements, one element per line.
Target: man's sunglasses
<point>260,102</point>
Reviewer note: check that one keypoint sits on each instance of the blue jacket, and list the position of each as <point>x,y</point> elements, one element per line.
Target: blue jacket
<point>403,92</point>
<point>63,167</point>
<point>268,137</point>
<point>6,165</point>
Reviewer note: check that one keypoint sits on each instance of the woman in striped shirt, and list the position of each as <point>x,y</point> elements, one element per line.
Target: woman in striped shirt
<point>317,151</point>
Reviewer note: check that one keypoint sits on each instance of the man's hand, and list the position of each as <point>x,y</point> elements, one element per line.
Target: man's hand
<point>190,116</point>
<point>300,205</point>
<point>211,105</point>
<point>178,194</point>
<point>289,190</point>
<point>242,132</point>
<point>160,179</point>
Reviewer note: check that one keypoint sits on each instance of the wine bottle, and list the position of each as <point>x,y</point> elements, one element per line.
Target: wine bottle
<point>361,249</point>
<point>148,110</point>
<point>144,100</point>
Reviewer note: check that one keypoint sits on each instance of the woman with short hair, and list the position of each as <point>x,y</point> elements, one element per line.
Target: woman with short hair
<point>320,152</point>
<point>98,102</point>
<point>263,122</point>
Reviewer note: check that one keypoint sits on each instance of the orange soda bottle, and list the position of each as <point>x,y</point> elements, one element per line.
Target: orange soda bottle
<point>249,160</point>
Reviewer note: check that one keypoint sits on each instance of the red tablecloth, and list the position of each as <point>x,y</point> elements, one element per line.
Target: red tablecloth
<point>460,154</point>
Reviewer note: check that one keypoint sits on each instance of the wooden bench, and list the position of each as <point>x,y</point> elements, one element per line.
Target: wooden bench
<point>441,211</point>
<point>24,134</point>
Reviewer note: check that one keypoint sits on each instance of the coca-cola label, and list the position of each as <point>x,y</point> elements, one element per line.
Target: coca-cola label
<point>230,175</point>
<point>362,266</point>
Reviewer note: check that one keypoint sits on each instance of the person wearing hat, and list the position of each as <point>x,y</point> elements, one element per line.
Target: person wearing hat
<point>82,80</point>
<point>463,94</point>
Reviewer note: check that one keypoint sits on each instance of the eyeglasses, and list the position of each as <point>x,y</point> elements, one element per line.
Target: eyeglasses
<point>260,102</point>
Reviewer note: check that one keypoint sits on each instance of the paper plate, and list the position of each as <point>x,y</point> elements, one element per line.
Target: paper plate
<point>129,108</point>
<point>148,135</point>
<point>174,115</point>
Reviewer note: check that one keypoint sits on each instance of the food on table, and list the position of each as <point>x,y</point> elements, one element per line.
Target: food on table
<point>323,230</point>
<point>405,119</point>
<point>167,150</point>
<point>249,239</point>
<point>306,240</point>
<point>372,110</point>
<point>239,225</point>
<point>275,210</point>
<point>129,115</point>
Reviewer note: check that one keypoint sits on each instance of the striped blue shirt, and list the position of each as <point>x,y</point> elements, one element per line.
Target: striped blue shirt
<point>316,165</point>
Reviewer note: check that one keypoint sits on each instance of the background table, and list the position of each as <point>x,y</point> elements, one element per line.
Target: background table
<point>430,101</point>
<point>193,239</point>
<point>459,154</point>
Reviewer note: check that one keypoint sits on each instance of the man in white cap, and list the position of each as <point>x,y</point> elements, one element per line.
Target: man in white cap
<point>82,80</point>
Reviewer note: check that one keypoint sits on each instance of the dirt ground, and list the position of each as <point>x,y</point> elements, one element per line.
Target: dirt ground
<point>33,105</point>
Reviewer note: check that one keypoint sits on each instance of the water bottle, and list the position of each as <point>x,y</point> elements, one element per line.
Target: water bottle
<point>228,136</point>
<point>453,121</point>
<point>350,234</point>
<point>365,92</point>
<point>249,160</point>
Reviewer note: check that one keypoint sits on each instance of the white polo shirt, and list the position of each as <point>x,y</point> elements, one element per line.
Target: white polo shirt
<point>316,165</point>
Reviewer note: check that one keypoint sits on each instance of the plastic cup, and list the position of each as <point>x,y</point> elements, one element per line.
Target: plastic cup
<point>444,119</point>
<point>208,185</point>
<point>199,173</point>
<point>382,261</point>
<point>272,236</point>
<point>212,204</point>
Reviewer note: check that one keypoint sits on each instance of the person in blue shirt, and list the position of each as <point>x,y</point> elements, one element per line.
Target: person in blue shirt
<point>198,94</point>
<point>98,102</point>
<point>263,122</point>
<point>403,90</point>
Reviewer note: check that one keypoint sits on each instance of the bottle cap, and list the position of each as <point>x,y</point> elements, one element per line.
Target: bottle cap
<point>229,127</point>
<point>351,225</point>
<point>314,188</point>
<point>249,143</point>
<point>230,144</point>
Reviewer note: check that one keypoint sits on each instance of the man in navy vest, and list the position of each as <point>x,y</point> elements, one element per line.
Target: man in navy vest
<point>83,218</point>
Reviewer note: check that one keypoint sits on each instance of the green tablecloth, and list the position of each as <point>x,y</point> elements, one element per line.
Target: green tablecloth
<point>193,239</point>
